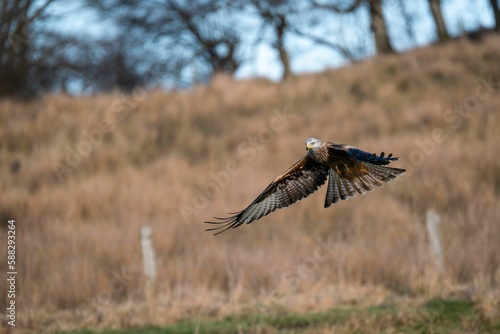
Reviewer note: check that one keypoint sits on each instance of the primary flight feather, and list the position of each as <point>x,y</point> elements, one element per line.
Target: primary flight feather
<point>349,170</point>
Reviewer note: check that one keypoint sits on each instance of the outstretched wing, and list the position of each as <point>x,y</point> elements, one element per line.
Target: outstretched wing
<point>353,171</point>
<point>298,182</point>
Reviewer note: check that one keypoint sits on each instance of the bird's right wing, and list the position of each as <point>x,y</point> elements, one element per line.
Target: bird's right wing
<point>298,182</point>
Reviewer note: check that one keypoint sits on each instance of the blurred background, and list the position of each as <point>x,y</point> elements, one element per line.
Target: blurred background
<point>88,46</point>
<point>120,114</point>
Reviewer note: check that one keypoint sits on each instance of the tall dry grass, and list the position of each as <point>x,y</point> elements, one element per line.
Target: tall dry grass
<point>79,257</point>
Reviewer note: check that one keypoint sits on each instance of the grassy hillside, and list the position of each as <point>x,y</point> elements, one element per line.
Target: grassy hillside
<point>81,175</point>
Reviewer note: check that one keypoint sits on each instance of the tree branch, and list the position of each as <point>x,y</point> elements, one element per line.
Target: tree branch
<point>318,40</point>
<point>338,9</point>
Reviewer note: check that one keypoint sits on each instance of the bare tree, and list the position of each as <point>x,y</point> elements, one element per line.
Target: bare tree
<point>211,40</point>
<point>441,31</point>
<point>280,28</point>
<point>496,13</point>
<point>275,14</point>
<point>194,39</point>
<point>34,58</point>
<point>379,28</point>
<point>286,18</point>
<point>17,18</point>
<point>377,22</point>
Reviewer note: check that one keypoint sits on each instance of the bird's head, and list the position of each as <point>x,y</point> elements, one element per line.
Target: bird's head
<point>313,143</point>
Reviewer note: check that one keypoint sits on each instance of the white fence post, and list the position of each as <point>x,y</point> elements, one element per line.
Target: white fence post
<point>432,222</point>
<point>148,256</point>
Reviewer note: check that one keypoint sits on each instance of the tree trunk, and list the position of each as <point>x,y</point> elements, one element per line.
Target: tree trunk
<point>496,12</point>
<point>14,65</point>
<point>379,28</point>
<point>441,31</point>
<point>280,45</point>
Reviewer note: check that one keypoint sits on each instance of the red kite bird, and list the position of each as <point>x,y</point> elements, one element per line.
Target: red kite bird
<point>350,171</point>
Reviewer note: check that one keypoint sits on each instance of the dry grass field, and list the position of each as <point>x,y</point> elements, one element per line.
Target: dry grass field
<point>81,175</point>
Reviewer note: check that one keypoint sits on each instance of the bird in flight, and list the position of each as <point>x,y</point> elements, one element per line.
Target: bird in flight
<point>349,170</point>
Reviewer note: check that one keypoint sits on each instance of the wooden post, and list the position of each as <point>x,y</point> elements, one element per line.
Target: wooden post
<point>148,256</point>
<point>432,222</point>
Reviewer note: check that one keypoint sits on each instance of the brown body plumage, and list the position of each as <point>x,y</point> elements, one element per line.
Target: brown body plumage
<point>349,170</point>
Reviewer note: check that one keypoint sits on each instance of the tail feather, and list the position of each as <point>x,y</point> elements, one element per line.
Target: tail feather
<point>384,173</point>
<point>365,183</point>
<point>350,189</point>
<point>370,179</point>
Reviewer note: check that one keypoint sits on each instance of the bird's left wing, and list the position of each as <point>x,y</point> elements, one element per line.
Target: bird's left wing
<point>298,182</point>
